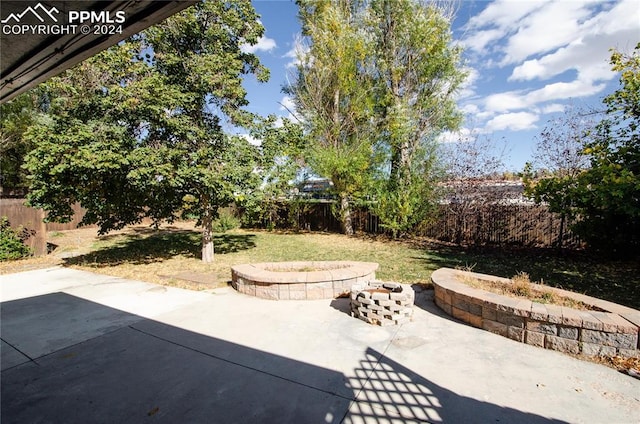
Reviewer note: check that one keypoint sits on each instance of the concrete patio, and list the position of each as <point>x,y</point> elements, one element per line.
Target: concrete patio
<point>79,347</point>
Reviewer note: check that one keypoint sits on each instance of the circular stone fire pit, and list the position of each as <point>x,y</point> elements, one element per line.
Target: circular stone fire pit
<point>382,303</point>
<point>301,280</point>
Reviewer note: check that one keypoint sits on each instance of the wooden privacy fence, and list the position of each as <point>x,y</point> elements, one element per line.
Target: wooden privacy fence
<point>490,224</point>
<point>498,224</point>
<point>20,215</point>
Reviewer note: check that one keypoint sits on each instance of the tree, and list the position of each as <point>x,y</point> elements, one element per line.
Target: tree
<point>332,97</point>
<point>468,164</point>
<point>15,118</point>
<point>416,71</point>
<point>560,153</point>
<point>375,89</point>
<point>282,142</point>
<point>605,197</point>
<point>136,131</point>
<point>12,241</point>
<point>608,194</point>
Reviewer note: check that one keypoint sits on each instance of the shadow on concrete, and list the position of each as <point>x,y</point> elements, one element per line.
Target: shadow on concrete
<point>66,359</point>
<point>425,300</point>
<point>342,304</point>
<point>394,391</point>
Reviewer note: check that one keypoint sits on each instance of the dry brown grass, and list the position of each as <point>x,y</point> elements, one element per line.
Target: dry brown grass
<point>521,286</point>
<point>164,256</point>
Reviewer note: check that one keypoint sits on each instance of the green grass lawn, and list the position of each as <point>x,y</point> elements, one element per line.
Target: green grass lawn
<point>150,255</point>
<point>614,280</point>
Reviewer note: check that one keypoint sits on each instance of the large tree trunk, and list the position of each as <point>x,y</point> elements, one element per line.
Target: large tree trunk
<point>345,215</point>
<point>207,235</point>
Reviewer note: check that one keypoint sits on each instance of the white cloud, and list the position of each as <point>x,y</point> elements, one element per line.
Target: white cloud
<point>513,121</point>
<point>503,13</point>
<point>509,100</point>
<point>553,108</point>
<point>278,123</point>
<point>498,20</point>
<point>287,104</point>
<point>623,16</point>
<point>551,26</point>
<point>264,44</point>
<point>514,31</point>
<point>563,43</point>
<point>480,39</point>
<point>525,99</point>
<point>462,135</point>
<point>470,108</point>
<point>297,51</point>
<point>564,91</point>
<point>588,56</point>
<point>468,87</point>
<point>252,140</point>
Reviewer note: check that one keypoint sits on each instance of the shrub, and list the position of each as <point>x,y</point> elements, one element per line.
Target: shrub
<point>12,241</point>
<point>226,221</point>
<point>521,284</point>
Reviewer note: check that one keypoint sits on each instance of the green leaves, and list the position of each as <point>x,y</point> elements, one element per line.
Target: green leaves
<point>332,93</point>
<point>135,131</point>
<point>417,71</point>
<point>15,118</point>
<point>606,195</point>
<point>374,89</point>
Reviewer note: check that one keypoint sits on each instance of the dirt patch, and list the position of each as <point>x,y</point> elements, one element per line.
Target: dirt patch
<point>194,280</point>
<point>306,268</point>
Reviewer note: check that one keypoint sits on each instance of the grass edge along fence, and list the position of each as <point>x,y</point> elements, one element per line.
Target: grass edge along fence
<point>491,224</point>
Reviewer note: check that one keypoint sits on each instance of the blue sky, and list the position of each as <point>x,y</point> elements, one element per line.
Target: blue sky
<point>528,61</point>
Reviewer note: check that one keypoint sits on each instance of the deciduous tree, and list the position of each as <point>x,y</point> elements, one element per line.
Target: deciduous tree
<point>375,89</point>
<point>16,116</point>
<point>136,131</point>
<point>606,195</point>
<point>333,98</point>
<point>560,153</point>
<point>468,165</point>
<point>416,70</point>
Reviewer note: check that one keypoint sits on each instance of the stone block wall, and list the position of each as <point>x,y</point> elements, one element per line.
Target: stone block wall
<point>613,330</point>
<point>289,281</point>
<point>377,303</point>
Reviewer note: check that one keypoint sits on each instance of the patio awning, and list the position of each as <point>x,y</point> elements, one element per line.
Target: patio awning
<point>42,39</point>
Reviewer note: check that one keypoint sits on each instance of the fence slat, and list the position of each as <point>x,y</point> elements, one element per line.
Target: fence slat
<point>20,215</point>
<point>492,224</point>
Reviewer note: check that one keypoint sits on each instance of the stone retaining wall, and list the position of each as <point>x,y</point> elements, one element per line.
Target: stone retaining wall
<point>614,331</point>
<point>289,281</point>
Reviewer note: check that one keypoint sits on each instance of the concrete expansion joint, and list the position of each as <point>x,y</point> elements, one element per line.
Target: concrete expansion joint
<point>146,333</point>
<point>33,360</point>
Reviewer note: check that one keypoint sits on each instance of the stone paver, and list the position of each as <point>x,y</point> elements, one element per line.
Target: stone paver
<point>299,280</point>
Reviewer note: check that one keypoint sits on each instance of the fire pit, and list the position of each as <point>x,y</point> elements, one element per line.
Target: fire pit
<point>301,280</point>
<point>382,303</point>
